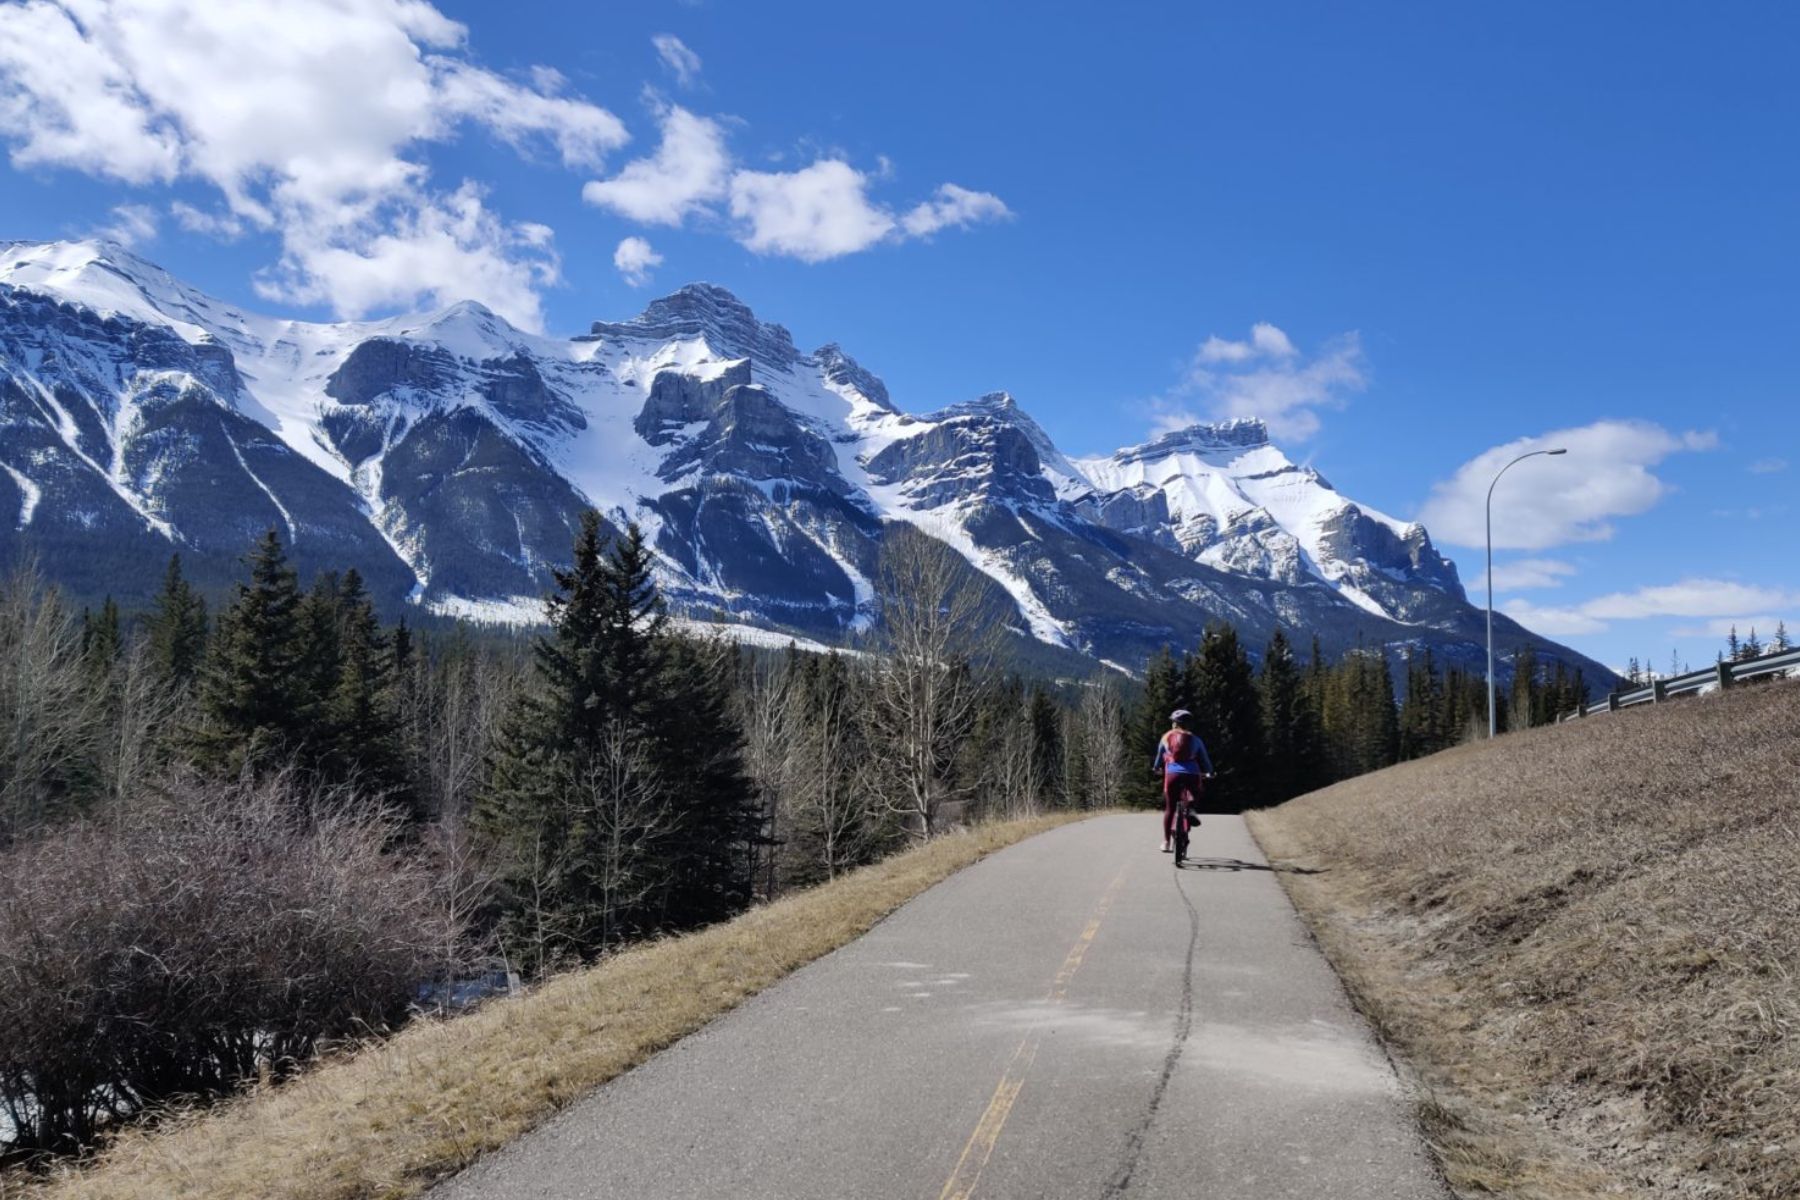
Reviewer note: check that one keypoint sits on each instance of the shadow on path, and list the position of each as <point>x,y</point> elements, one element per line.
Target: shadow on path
<point>1238,864</point>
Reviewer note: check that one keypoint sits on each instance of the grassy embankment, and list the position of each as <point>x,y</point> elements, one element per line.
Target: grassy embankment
<point>393,1117</point>
<point>1585,942</point>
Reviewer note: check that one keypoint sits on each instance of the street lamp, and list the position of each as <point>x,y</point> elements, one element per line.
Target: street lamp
<point>1492,726</point>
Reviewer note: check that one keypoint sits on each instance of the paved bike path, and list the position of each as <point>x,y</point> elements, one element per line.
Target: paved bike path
<point>1071,1017</point>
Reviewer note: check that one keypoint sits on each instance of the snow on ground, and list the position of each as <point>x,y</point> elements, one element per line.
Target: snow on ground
<point>521,612</point>
<point>515,611</point>
<point>753,635</point>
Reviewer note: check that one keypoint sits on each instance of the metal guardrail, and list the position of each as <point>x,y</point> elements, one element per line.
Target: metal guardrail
<point>1717,677</point>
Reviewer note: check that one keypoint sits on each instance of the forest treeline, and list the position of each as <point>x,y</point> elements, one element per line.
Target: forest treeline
<point>230,838</point>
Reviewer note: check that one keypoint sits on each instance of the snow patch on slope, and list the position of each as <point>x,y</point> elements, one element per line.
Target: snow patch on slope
<point>29,492</point>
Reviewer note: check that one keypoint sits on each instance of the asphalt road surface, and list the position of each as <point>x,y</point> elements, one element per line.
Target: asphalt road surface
<point>1071,1017</point>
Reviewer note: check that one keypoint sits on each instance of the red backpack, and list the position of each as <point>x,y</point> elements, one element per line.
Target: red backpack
<point>1179,746</point>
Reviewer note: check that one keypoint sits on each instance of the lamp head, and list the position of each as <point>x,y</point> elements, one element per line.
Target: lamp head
<point>1556,451</point>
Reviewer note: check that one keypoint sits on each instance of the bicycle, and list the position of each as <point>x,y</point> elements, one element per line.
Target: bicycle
<point>1185,820</point>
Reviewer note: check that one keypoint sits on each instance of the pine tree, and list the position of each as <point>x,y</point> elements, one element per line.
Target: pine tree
<point>1044,719</point>
<point>177,628</point>
<point>714,814</point>
<point>1222,694</point>
<point>1752,648</point>
<point>1524,689</point>
<point>1290,727</point>
<point>360,728</point>
<point>1163,681</point>
<point>619,797</point>
<point>254,709</point>
<point>102,642</point>
<point>1361,715</point>
<point>1733,651</point>
<point>1780,645</point>
<point>320,617</point>
<point>1385,749</point>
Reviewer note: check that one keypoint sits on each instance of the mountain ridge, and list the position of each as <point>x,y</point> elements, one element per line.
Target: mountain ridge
<point>452,452</point>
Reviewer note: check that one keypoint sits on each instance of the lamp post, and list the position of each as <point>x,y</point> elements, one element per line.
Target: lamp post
<point>1493,727</point>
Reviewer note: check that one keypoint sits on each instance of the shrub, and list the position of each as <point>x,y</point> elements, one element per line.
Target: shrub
<point>194,941</point>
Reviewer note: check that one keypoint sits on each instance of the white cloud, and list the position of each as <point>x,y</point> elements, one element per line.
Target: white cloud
<point>677,57</point>
<point>688,172</point>
<point>818,212</point>
<point>1768,466</point>
<point>131,225</point>
<point>635,258</point>
<point>582,133</point>
<point>1689,598</point>
<point>221,225</point>
<point>1763,626</point>
<point>1525,573</point>
<point>1554,501</point>
<point>1264,376</point>
<point>1552,622</point>
<point>1266,341</point>
<point>1720,599</point>
<point>440,250</point>
<point>956,206</point>
<point>308,116</point>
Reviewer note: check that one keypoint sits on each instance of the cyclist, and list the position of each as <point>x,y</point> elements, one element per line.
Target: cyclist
<point>1182,761</point>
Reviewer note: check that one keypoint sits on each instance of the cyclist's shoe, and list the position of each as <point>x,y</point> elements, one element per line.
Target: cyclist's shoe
<point>1167,849</point>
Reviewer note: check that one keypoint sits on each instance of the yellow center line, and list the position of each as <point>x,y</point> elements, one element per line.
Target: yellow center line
<point>980,1147</point>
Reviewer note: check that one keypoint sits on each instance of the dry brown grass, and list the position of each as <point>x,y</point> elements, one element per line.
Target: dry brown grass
<point>396,1116</point>
<point>1585,940</point>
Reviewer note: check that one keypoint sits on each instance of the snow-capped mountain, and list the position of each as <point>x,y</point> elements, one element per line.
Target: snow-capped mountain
<point>448,456</point>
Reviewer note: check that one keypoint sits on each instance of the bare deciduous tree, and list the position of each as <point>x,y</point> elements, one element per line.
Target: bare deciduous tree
<point>450,710</point>
<point>625,807</point>
<point>1013,778</point>
<point>49,717</point>
<point>1102,724</point>
<point>144,711</point>
<point>830,780</point>
<point>767,709</point>
<point>938,631</point>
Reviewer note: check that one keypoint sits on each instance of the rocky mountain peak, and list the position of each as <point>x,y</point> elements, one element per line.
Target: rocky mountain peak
<point>708,311</point>
<point>845,371</point>
<point>449,456</point>
<point>1243,433</point>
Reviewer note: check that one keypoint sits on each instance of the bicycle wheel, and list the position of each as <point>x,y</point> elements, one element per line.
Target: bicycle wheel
<point>1181,836</point>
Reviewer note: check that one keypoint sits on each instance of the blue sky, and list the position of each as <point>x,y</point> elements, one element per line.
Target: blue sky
<point>1462,228</point>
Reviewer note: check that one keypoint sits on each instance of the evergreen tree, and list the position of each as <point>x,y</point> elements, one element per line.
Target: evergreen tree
<point>177,628</point>
<point>1222,694</point>
<point>619,796</point>
<point>102,641</point>
<point>360,727</point>
<point>1752,647</point>
<point>1524,689</point>
<point>1044,719</point>
<point>1361,720</point>
<point>712,804</point>
<point>1290,727</point>
<point>253,707</point>
<point>320,617</point>
<point>1422,710</point>
<point>1163,683</point>
<point>1780,644</point>
<point>1386,716</point>
<point>1733,651</point>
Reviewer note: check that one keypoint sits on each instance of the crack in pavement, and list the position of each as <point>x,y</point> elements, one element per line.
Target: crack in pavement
<point>1184,1024</point>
